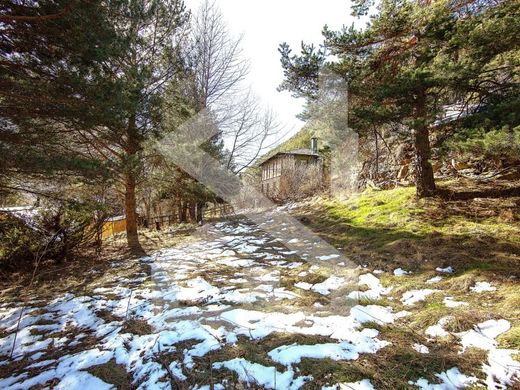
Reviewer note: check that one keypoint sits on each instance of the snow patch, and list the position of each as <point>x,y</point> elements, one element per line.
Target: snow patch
<point>413,296</point>
<point>481,287</point>
<point>450,380</point>
<point>401,272</point>
<point>450,302</point>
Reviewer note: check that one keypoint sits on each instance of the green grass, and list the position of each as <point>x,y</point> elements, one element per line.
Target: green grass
<point>386,227</point>
<point>379,208</point>
<point>398,211</point>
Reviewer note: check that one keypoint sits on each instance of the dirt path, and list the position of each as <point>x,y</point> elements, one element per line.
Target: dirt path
<point>232,305</point>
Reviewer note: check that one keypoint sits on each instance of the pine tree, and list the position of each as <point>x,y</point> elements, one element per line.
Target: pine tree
<point>52,56</point>
<point>405,66</point>
<point>150,32</point>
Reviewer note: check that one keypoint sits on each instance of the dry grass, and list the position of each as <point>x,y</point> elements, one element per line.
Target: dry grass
<point>393,228</point>
<point>137,326</point>
<point>113,373</point>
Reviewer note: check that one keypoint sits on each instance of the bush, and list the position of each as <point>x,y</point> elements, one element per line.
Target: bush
<point>18,242</point>
<point>299,182</point>
<point>53,231</point>
<point>498,146</point>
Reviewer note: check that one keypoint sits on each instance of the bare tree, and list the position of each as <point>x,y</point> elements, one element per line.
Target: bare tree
<point>249,131</point>
<point>216,56</point>
<point>219,73</point>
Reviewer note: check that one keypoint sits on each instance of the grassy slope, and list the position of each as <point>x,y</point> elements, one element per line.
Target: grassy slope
<point>479,237</point>
<point>393,226</point>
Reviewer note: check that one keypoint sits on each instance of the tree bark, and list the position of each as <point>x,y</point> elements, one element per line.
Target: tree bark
<point>132,236</point>
<point>200,213</point>
<point>424,181</point>
<point>377,154</point>
<point>183,212</point>
<point>192,211</point>
<point>132,148</point>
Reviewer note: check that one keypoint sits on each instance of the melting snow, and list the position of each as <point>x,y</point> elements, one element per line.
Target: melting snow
<point>450,380</point>
<point>413,296</point>
<point>328,257</point>
<point>361,385</point>
<point>375,291</point>
<point>325,287</point>
<point>188,298</point>
<point>435,279</point>
<point>447,270</point>
<point>421,348</point>
<point>480,287</point>
<point>292,354</point>
<point>254,373</point>
<point>401,272</point>
<point>450,302</point>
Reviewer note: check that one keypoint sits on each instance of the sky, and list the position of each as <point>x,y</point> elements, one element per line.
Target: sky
<point>267,23</point>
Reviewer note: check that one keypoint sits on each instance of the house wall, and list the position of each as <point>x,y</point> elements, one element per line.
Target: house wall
<point>113,227</point>
<point>273,171</point>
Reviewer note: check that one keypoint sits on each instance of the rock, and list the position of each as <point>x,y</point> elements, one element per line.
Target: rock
<point>458,165</point>
<point>436,166</point>
<point>403,172</point>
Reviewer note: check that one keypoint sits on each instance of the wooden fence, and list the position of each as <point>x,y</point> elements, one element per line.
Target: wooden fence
<point>160,221</point>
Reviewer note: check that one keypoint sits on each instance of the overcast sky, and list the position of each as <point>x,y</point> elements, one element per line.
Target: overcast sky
<point>267,23</point>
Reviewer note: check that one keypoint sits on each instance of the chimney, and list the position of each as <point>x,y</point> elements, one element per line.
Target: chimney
<point>314,145</point>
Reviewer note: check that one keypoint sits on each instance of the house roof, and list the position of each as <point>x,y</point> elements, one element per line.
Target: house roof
<point>116,218</point>
<point>295,152</point>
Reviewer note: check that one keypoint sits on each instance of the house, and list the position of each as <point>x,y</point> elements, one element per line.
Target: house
<point>113,226</point>
<point>287,174</point>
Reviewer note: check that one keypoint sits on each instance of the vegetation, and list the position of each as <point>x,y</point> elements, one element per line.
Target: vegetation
<point>394,226</point>
<point>99,98</point>
<point>497,145</point>
<point>88,87</point>
<point>411,63</point>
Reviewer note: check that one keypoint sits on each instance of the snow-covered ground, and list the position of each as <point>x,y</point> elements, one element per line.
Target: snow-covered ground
<point>208,296</point>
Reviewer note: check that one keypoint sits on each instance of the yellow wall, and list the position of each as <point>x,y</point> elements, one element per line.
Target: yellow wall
<point>113,227</point>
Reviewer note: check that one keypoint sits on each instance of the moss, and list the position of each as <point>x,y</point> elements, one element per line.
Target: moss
<point>429,315</point>
<point>510,339</point>
<point>407,217</point>
<point>378,208</point>
<point>392,228</point>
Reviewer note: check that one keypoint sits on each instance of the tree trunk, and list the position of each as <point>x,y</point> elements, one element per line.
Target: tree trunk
<point>132,149</point>
<point>377,154</point>
<point>191,208</point>
<point>132,236</point>
<point>200,213</point>
<point>424,181</point>
<point>183,212</point>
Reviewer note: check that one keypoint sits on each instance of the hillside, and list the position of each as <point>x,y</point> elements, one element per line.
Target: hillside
<point>301,140</point>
